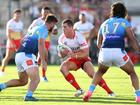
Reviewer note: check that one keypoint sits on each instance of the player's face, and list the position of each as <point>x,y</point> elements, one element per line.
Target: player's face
<point>82,17</point>
<point>17,15</point>
<point>66,29</point>
<point>45,12</point>
<point>51,26</point>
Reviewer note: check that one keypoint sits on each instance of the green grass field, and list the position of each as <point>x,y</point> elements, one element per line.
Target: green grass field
<point>58,92</point>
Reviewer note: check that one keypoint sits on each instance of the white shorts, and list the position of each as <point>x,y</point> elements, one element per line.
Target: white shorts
<point>25,61</point>
<point>116,56</point>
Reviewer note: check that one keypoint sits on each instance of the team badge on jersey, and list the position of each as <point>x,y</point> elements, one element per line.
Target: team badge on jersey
<point>29,62</point>
<point>125,58</point>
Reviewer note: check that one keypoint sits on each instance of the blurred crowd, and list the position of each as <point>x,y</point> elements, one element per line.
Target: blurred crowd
<point>96,12</point>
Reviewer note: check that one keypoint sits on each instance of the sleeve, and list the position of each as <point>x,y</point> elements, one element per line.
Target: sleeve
<point>42,33</point>
<point>22,26</point>
<point>75,26</point>
<point>127,23</point>
<point>82,41</point>
<point>9,25</point>
<point>91,26</point>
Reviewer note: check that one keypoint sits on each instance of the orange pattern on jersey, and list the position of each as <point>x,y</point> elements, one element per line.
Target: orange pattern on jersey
<point>15,35</point>
<point>49,37</point>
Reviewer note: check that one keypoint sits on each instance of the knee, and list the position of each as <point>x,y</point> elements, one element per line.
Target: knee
<point>23,82</point>
<point>37,80</point>
<point>131,73</point>
<point>63,68</point>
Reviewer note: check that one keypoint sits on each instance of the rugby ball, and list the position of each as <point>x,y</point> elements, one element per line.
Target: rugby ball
<point>63,50</point>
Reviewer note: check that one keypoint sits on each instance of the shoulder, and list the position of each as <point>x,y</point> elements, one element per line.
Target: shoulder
<point>10,21</point>
<point>62,36</point>
<point>77,23</point>
<point>78,35</point>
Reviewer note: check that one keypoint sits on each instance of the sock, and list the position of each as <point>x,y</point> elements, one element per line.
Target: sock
<point>43,72</point>
<point>3,86</point>
<point>29,94</point>
<point>70,78</point>
<point>137,93</point>
<point>103,84</point>
<point>91,89</point>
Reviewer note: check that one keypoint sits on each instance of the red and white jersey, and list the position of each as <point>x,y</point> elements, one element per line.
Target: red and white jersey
<point>75,44</point>
<point>36,22</point>
<point>16,27</point>
<point>84,28</point>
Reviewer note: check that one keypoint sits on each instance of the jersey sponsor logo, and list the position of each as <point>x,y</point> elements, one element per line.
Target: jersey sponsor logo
<point>123,24</point>
<point>29,62</point>
<point>125,58</point>
<point>37,32</point>
<point>83,44</point>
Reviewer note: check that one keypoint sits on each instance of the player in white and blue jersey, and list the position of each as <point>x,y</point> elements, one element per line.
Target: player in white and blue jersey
<point>111,43</point>
<point>25,58</point>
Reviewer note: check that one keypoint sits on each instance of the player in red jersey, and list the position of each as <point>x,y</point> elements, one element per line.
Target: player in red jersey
<point>14,32</point>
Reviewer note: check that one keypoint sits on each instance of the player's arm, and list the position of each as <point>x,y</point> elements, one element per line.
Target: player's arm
<point>41,47</point>
<point>21,33</point>
<point>99,39</point>
<point>132,39</point>
<point>93,33</point>
<point>9,32</point>
<point>42,52</point>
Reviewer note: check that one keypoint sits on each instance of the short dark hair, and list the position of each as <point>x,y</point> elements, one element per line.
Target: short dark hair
<point>17,11</point>
<point>118,10</point>
<point>68,22</point>
<point>51,18</point>
<point>47,8</point>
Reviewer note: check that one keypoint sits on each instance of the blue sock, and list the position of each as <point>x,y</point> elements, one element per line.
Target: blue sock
<point>137,92</point>
<point>3,86</point>
<point>29,94</point>
<point>92,88</point>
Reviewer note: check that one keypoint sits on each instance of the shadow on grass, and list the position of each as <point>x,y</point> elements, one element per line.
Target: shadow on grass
<point>100,100</point>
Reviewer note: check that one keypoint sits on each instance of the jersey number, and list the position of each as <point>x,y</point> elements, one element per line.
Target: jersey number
<point>106,28</point>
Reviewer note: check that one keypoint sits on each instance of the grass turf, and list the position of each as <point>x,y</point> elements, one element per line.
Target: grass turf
<point>58,92</point>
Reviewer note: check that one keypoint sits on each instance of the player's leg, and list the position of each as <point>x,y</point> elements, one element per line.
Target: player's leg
<point>33,74</point>
<point>96,80</point>
<point>22,81</point>
<point>65,70</point>
<point>129,69</point>
<point>89,69</point>
<point>44,77</point>
<point>8,56</point>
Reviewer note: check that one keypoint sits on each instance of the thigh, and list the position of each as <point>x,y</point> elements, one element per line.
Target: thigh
<point>33,73</point>
<point>89,69</point>
<point>23,76</point>
<point>128,67</point>
<point>120,58</point>
<point>9,52</point>
<point>105,57</point>
<point>69,65</point>
<point>26,62</point>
